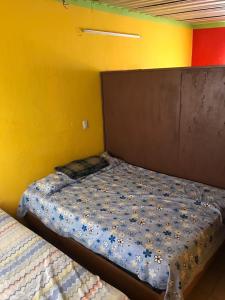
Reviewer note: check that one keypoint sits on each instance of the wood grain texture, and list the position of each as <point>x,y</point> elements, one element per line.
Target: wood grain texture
<point>136,118</point>
<point>168,120</point>
<point>202,133</point>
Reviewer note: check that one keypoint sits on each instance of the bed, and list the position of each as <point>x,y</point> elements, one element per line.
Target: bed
<point>148,233</point>
<point>31,268</point>
<point>160,228</point>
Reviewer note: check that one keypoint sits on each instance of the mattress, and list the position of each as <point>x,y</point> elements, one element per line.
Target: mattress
<point>31,268</point>
<point>161,228</point>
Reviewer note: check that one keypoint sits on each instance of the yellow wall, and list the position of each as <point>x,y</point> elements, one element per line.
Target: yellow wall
<point>49,82</point>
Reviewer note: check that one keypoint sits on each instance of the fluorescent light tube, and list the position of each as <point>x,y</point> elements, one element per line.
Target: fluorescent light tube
<point>120,34</point>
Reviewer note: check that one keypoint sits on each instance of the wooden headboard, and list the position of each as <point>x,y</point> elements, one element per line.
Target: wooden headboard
<point>168,120</point>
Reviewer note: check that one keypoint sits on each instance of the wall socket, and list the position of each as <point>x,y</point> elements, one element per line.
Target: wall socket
<point>85,124</point>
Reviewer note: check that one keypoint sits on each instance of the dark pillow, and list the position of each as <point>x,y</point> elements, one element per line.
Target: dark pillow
<point>83,167</point>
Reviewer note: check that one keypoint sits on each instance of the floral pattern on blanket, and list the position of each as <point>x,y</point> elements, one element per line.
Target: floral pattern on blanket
<point>161,228</point>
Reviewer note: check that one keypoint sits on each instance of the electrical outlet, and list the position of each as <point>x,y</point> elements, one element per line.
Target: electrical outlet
<point>85,124</point>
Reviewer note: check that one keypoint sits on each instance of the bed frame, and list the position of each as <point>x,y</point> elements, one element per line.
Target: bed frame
<point>169,120</point>
<point>108,271</point>
<point>118,277</point>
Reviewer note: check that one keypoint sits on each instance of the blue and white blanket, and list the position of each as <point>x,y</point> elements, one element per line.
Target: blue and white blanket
<point>161,228</point>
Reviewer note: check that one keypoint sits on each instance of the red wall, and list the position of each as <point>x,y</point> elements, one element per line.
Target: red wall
<point>208,47</point>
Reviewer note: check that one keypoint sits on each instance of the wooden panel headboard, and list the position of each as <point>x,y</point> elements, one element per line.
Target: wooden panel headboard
<point>168,120</point>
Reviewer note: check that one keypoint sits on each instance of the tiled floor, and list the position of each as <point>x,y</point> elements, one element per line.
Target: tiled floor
<point>212,284</point>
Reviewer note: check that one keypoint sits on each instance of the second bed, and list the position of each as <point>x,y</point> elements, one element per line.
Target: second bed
<point>160,228</point>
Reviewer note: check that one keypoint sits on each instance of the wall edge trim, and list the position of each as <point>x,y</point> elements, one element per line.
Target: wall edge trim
<point>209,25</point>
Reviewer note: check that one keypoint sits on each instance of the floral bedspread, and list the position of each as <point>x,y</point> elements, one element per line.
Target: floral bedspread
<point>31,268</point>
<point>161,228</point>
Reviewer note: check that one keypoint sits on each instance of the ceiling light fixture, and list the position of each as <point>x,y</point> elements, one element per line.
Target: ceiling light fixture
<point>111,33</point>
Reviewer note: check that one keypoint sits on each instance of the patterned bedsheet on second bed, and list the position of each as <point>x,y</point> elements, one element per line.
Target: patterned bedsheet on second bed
<point>161,228</point>
<point>31,268</point>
